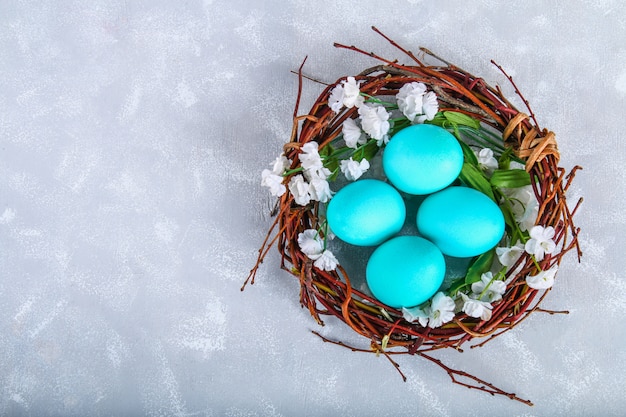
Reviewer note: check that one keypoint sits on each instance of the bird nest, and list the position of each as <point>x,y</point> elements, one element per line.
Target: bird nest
<point>526,182</point>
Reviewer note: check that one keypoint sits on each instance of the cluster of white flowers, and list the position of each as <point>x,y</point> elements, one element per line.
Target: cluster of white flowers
<point>413,100</point>
<point>273,179</point>
<point>484,292</point>
<point>479,303</point>
<point>312,245</point>
<point>438,311</point>
<point>347,93</point>
<point>416,103</point>
<point>317,187</point>
<point>524,205</point>
<point>442,308</point>
<point>373,118</point>
<point>541,242</point>
<point>311,185</point>
<point>354,169</point>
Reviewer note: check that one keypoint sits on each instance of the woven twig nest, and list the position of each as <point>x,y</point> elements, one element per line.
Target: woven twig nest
<point>460,97</point>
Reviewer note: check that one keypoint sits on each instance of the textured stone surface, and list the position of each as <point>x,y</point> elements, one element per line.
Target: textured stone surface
<point>132,136</point>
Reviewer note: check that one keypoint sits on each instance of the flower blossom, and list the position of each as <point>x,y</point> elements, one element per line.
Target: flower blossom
<point>353,169</point>
<point>410,98</point>
<point>490,288</point>
<point>509,256</point>
<point>273,182</point>
<point>524,205</point>
<point>273,179</point>
<point>375,122</point>
<point>476,308</point>
<point>352,134</point>
<point>486,160</point>
<point>540,242</point>
<point>430,107</point>
<point>415,103</point>
<point>416,314</point>
<point>439,311</point>
<point>326,261</point>
<point>319,189</point>
<point>312,245</point>
<point>310,158</point>
<point>346,94</point>
<point>280,164</point>
<point>543,280</point>
<point>299,188</point>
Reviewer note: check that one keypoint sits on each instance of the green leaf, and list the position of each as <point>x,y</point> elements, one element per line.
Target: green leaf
<point>461,119</point>
<point>456,286</point>
<point>480,265</point>
<point>333,166</point>
<point>504,162</point>
<point>326,151</point>
<point>468,154</point>
<point>474,178</point>
<point>438,120</point>
<point>510,178</point>
<point>512,226</point>
<point>369,150</point>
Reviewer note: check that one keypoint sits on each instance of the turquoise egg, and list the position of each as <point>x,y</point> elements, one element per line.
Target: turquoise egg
<point>461,221</point>
<point>422,159</point>
<point>405,271</point>
<point>366,212</point>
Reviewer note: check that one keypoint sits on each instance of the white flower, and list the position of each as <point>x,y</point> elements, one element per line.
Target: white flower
<point>310,158</point>
<point>490,288</point>
<point>299,188</point>
<point>524,205</point>
<point>375,122</point>
<point>347,94</point>
<point>416,314</point>
<point>326,261</point>
<point>274,179</point>
<point>273,182</point>
<point>280,164</point>
<point>476,308</point>
<point>322,173</point>
<point>335,101</point>
<point>540,241</point>
<point>509,256</point>
<point>311,243</point>
<point>543,280</point>
<point>352,134</point>
<point>351,94</point>
<point>441,310</point>
<point>486,161</point>
<point>410,98</point>
<point>353,169</point>
<point>319,190</point>
<point>430,107</point>
<point>416,104</point>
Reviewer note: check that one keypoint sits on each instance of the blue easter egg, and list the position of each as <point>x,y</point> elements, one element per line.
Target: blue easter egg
<point>405,271</point>
<point>366,212</point>
<point>461,221</point>
<point>422,159</point>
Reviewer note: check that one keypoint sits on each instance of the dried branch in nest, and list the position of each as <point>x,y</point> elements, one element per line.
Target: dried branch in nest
<point>326,293</point>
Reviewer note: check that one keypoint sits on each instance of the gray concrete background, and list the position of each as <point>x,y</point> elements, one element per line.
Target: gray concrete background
<point>132,137</point>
